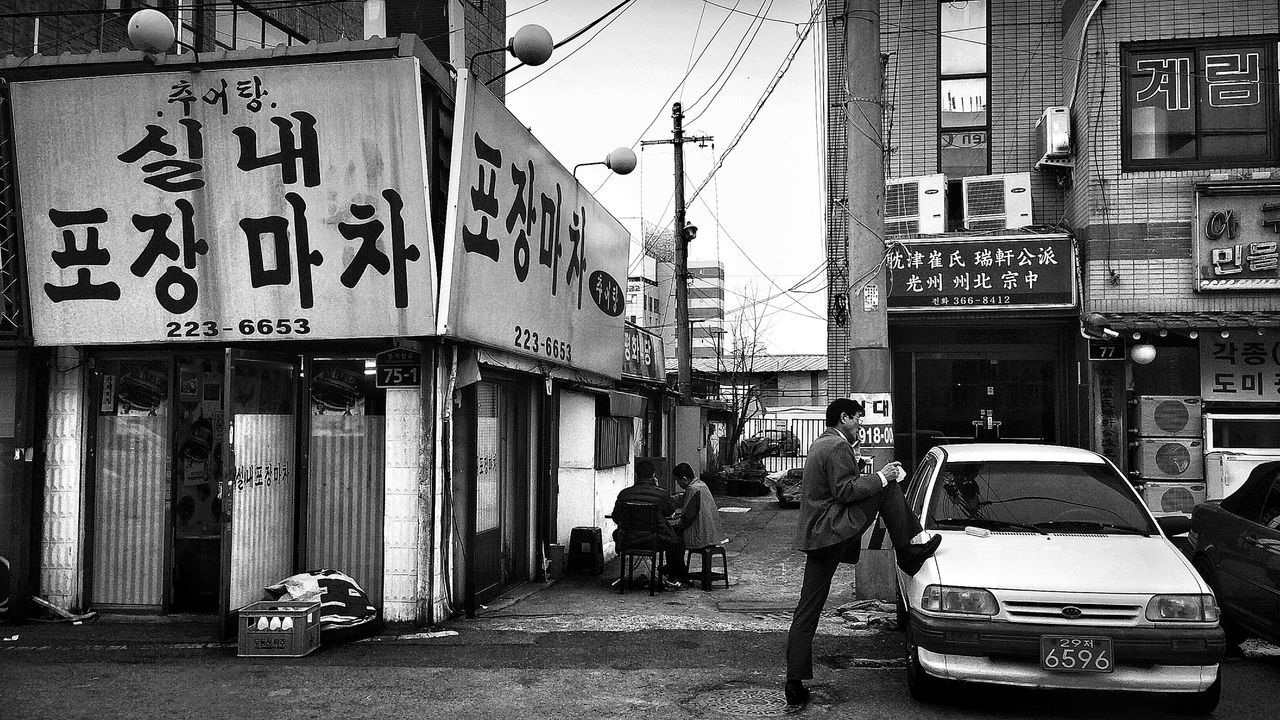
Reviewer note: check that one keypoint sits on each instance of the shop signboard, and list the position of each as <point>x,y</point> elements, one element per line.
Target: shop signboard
<point>643,355</point>
<point>533,265</point>
<point>876,430</point>
<point>981,273</point>
<point>271,202</point>
<point>1236,236</point>
<point>1243,368</point>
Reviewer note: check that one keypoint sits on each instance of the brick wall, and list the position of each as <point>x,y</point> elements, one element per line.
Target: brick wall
<point>1135,227</point>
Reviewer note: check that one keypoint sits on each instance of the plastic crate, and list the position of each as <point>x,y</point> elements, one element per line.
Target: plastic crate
<point>275,628</point>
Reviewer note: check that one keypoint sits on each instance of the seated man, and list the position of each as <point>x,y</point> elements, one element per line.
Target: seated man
<point>700,518</point>
<point>647,490</point>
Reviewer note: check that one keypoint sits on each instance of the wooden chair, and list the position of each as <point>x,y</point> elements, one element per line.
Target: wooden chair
<point>640,517</point>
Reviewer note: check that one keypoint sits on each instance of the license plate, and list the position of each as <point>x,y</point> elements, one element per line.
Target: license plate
<point>1067,653</point>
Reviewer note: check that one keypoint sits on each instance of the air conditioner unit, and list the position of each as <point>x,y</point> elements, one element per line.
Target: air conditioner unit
<point>916,205</point>
<point>1053,135</point>
<point>997,202</point>
<point>1167,458</point>
<point>1166,416</point>
<point>1167,498</point>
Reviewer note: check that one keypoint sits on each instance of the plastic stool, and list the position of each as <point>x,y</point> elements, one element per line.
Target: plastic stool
<point>708,554</point>
<point>586,551</point>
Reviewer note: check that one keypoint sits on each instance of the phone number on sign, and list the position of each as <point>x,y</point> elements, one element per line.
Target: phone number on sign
<point>553,348</point>
<point>974,300</point>
<point>245,328</point>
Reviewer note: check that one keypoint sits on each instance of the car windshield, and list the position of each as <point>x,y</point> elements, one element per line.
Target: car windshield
<point>1041,496</point>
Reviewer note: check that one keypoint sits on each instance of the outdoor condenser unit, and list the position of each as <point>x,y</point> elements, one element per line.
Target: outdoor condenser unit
<point>916,205</point>
<point>1168,458</point>
<point>1166,416</point>
<point>997,202</point>
<point>1163,498</point>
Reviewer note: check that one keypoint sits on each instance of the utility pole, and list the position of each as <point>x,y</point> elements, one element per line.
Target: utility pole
<point>683,234</point>
<point>870,377</point>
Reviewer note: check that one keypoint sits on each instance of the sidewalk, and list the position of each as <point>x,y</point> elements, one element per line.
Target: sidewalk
<point>764,579</point>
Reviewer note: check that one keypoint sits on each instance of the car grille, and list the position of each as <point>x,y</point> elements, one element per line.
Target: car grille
<point>1050,612</point>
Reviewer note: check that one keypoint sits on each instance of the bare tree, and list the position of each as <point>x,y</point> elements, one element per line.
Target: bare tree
<point>741,383</point>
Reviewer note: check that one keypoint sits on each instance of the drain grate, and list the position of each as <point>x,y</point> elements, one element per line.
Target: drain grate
<point>749,702</point>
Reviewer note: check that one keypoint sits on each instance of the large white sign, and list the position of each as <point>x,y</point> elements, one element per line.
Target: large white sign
<point>1244,367</point>
<point>532,261</point>
<point>259,203</point>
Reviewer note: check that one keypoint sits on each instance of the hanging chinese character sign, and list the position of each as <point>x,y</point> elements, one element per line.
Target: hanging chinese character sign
<point>1236,237</point>
<point>532,261</point>
<point>1032,271</point>
<point>256,203</point>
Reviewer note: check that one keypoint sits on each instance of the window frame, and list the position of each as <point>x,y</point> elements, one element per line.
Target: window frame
<point>940,78</point>
<point>1197,47</point>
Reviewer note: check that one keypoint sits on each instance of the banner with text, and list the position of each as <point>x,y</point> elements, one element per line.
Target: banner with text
<point>532,261</point>
<point>981,273</point>
<point>1244,367</point>
<point>282,202</point>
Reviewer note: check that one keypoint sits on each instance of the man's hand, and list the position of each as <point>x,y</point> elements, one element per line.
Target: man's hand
<point>893,472</point>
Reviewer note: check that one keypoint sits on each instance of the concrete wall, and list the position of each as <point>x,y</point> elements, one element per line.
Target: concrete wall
<point>586,494</point>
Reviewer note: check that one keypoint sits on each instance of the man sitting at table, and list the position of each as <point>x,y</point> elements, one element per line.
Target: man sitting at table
<point>647,490</point>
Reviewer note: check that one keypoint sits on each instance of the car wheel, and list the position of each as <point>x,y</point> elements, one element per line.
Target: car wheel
<point>1203,702</point>
<point>922,686</point>
<point>1234,635</point>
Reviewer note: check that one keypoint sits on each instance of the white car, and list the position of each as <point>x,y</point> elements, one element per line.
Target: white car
<point>1052,573</point>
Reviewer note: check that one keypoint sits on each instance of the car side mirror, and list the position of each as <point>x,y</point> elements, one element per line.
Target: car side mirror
<point>1174,524</point>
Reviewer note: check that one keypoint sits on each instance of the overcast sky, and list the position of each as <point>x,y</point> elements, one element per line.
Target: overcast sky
<point>761,214</point>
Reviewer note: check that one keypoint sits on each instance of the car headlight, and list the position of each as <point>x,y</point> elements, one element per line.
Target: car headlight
<point>1182,608</point>
<point>966,600</point>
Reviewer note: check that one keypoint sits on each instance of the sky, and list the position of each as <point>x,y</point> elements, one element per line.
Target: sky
<point>761,214</point>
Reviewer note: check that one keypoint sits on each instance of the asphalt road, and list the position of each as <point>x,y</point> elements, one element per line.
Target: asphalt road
<point>574,649</point>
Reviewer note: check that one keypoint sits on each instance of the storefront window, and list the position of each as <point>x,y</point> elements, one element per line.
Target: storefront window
<point>963,121</point>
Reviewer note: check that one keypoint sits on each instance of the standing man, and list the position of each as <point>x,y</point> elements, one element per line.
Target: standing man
<point>837,505</point>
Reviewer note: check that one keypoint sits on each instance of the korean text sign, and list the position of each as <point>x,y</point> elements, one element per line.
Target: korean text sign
<point>257,203</point>
<point>1027,271</point>
<point>532,261</point>
<point>1236,238</point>
<point>643,355</point>
<point>1244,367</point>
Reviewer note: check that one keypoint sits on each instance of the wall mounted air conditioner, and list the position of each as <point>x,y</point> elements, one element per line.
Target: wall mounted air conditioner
<point>1167,458</point>
<point>1167,498</point>
<point>1053,138</point>
<point>916,205</point>
<point>997,202</point>
<point>1166,416</point>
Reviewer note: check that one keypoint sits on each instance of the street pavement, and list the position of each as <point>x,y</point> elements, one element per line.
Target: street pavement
<point>575,648</point>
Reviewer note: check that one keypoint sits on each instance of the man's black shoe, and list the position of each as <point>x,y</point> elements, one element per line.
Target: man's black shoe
<point>796,692</point>
<point>912,558</point>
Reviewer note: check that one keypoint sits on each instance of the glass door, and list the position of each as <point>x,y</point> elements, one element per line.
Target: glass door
<point>259,480</point>
<point>501,488</point>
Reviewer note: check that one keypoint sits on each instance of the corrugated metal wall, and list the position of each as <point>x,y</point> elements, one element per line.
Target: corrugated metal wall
<point>262,527</point>
<point>345,498</point>
<point>130,510</point>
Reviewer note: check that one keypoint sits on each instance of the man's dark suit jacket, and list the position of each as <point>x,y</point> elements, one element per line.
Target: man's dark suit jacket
<point>832,487</point>
<point>645,492</point>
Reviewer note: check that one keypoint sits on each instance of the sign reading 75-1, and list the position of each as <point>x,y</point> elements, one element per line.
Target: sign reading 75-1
<point>398,368</point>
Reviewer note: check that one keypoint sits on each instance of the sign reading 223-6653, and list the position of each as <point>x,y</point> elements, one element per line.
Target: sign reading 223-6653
<point>533,263</point>
<point>256,203</point>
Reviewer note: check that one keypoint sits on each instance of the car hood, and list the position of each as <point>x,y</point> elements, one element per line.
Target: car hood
<point>1065,563</point>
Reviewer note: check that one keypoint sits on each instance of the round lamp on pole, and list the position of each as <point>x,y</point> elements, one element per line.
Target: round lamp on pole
<point>531,45</point>
<point>150,31</point>
<point>1143,353</point>
<point>622,160</point>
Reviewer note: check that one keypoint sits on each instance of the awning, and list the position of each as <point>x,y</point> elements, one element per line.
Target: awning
<point>625,404</point>
<point>1189,320</point>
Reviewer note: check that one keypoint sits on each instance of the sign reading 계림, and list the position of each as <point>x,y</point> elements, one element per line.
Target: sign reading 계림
<point>257,203</point>
<point>532,261</point>
<point>980,273</point>
<point>1244,367</point>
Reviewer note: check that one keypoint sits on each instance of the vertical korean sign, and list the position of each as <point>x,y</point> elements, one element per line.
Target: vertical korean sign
<point>257,203</point>
<point>532,261</point>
